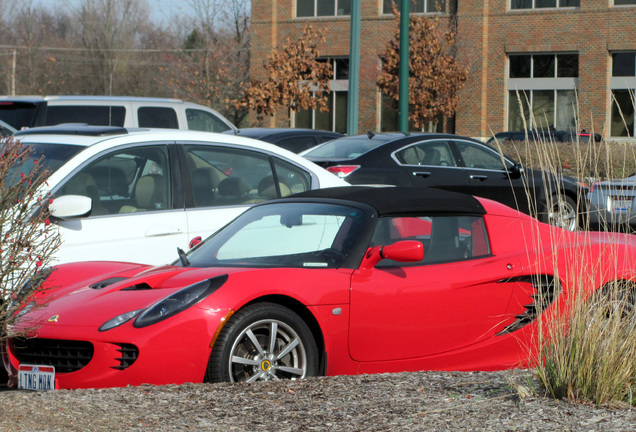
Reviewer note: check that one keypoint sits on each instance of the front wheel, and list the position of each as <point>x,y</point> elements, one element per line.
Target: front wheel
<point>561,211</point>
<point>263,342</point>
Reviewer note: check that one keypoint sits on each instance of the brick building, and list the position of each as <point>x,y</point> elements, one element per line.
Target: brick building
<point>571,62</point>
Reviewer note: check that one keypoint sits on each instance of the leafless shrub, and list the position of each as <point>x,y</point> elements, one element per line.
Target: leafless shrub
<point>28,240</point>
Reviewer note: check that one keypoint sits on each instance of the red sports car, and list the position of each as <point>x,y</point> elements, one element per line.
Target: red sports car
<point>337,281</point>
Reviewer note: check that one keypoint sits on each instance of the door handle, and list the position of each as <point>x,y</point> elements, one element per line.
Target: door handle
<point>479,177</point>
<point>421,173</point>
<point>162,230</point>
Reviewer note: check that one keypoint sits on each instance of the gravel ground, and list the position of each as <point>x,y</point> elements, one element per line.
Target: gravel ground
<point>491,401</point>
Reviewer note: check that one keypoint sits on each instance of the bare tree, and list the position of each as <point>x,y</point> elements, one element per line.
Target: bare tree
<point>108,31</point>
<point>212,64</point>
<point>435,77</point>
<point>297,79</point>
<point>28,241</point>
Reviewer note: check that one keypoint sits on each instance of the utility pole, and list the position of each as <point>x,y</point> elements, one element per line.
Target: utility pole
<point>15,55</point>
<point>403,102</point>
<point>354,69</point>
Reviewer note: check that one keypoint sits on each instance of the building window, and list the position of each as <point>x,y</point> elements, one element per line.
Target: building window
<point>543,4</point>
<point>320,8</point>
<point>624,2</point>
<point>623,88</point>
<point>542,91</point>
<point>335,119</point>
<point>417,6</point>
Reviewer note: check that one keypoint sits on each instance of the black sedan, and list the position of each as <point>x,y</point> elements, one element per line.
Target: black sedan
<point>292,139</point>
<point>453,163</point>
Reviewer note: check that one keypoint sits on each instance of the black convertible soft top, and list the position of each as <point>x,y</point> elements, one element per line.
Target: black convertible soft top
<point>401,200</point>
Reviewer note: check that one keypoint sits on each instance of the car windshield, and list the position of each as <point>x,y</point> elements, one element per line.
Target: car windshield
<point>346,148</point>
<point>301,235</point>
<point>51,157</point>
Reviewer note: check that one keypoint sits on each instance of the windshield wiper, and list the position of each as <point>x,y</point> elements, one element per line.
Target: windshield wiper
<point>185,262</point>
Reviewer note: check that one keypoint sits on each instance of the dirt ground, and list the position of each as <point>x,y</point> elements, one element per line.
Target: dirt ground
<point>431,401</point>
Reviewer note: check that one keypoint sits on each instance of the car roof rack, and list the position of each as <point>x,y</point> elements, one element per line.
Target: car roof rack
<point>74,129</point>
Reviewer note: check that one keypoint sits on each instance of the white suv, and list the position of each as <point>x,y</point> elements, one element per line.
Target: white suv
<point>137,195</point>
<point>28,111</point>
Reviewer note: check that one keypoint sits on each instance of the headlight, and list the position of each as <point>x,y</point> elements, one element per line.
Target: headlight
<point>27,288</point>
<point>179,301</point>
<point>26,309</point>
<point>119,320</point>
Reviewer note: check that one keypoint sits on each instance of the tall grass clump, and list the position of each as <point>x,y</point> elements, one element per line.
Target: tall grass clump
<point>590,355</point>
<point>586,341</point>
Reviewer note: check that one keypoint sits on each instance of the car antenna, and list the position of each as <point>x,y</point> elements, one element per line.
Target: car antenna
<point>370,135</point>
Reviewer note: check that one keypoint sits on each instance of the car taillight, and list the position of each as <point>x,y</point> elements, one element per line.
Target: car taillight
<point>342,170</point>
<point>592,187</point>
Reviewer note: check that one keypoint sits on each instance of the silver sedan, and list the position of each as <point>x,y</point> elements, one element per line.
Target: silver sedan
<point>611,203</point>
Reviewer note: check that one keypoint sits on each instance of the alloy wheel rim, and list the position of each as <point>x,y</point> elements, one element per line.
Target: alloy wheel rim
<point>563,215</point>
<point>267,350</point>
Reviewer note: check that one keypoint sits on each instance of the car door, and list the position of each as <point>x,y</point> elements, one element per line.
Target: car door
<point>451,299</point>
<point>221,182</point>
<point>431,163</point>
<point>135,214</point>
<point>489,175</point>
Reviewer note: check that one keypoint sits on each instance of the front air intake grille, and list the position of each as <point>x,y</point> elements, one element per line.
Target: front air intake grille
<point>129,354</point>
<point>545,290</point>
<point>65,355</point>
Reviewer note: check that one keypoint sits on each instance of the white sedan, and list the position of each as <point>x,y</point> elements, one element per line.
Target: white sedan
<point>137,195</point>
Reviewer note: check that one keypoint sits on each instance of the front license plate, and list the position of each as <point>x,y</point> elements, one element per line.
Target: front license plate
<point>36,377</point>
<point>621,204</point>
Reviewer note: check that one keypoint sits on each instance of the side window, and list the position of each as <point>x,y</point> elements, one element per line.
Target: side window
<point>476,156</point>
<point>125,181</point>
<point>89,114</point>
<point>431,153</point>
<point>291,179</point>
<point>157,117</point>
<point>223,176</point>
<point>445,238</point>
<point>205,121</point>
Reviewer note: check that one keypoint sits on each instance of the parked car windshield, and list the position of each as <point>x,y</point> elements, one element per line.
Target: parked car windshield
<point>303,235</point>
<point>346,148</point>
<point>50,156</point>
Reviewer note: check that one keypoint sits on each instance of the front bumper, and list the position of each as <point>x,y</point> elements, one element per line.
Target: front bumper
<point>174,351</point>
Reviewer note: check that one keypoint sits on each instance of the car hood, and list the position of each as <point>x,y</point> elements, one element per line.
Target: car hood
<point>93,300</point>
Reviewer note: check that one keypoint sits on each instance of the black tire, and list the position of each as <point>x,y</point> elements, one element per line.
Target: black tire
<point>561,211</point>
<point>235,357</point>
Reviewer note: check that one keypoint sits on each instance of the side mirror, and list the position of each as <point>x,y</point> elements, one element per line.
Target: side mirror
<point>401,251</point>
<point>195,241</point>
<point>71,206</point>
<point>404,251</point>
<point>515,171</point>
